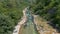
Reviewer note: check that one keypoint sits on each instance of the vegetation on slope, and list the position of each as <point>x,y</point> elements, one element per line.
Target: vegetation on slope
<point>49,10</point>
<point>10,13</point>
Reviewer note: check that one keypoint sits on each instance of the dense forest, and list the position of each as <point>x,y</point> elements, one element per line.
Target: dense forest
<point>11,12</point>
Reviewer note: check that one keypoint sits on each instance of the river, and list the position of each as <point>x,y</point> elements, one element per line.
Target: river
<point>29,26</point>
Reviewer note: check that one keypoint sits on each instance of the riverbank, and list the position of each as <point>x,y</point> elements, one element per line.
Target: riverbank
<point>43,27</point>
<point>18,26</point>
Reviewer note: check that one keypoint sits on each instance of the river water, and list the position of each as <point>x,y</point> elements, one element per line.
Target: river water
<point>29,27</point>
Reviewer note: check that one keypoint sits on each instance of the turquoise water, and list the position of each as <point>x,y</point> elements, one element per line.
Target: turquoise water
<point>29,27</point>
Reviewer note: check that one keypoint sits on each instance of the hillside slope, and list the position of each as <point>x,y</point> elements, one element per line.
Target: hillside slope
<point>43,27</point>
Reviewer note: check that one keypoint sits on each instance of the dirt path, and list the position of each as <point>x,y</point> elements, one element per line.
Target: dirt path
<point>24,19</point>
